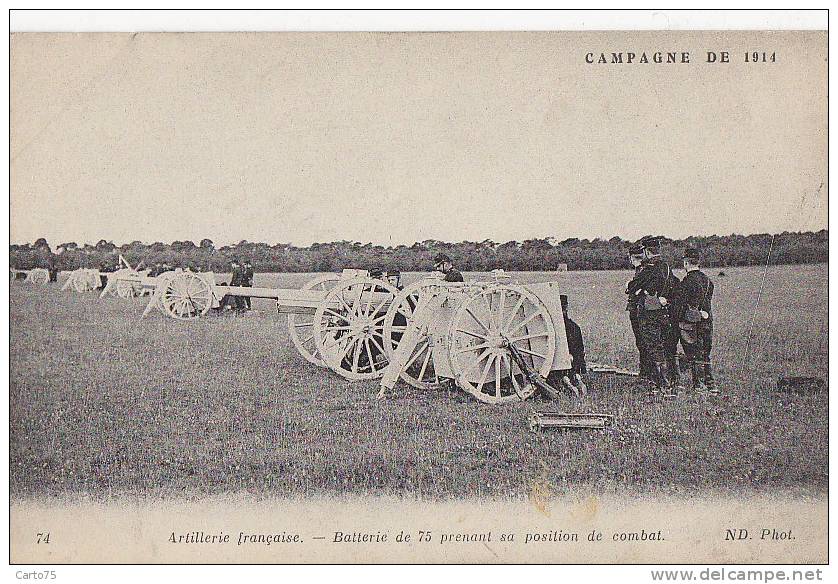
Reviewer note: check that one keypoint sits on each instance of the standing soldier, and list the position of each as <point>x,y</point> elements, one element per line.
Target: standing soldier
<point>672,335</point>
<point>46,259</point>
<point>652,287</point>
<point>247,280</point>
<point>636,258</point>
<point>235,280</point>
<point>695,322</point>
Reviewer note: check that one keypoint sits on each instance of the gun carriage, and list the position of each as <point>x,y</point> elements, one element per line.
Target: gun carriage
<point>494,340</point>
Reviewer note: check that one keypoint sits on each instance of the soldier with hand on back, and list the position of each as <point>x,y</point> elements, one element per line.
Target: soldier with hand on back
<point>695,321</point>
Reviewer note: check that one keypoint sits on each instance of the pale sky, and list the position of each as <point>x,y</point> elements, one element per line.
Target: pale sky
<point>396,138</point>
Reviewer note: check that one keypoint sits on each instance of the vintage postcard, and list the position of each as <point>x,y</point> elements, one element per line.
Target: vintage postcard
<point>451,297</point>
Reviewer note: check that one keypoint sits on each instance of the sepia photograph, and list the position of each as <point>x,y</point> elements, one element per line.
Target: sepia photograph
<point>419,296</point>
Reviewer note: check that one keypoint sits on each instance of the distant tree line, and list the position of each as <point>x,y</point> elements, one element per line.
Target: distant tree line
<point>546,254</point>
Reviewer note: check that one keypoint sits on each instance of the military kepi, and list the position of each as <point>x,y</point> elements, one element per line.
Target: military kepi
<point>650,241</point>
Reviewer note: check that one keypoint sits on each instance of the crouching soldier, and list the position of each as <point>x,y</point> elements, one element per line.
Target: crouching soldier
<point>695,322</point>
<point>576,346</point>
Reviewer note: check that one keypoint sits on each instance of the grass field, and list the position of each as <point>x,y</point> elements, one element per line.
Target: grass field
<point>103,403</point>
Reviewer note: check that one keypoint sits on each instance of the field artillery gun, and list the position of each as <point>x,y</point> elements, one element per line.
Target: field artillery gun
<point>129,283</point>
<point>347,337</point>
<point>38,276</point>
<point>496,340</point>
<point>117,281</point>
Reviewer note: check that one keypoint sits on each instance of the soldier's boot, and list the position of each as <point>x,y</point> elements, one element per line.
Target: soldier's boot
<point>674,371</point>
<point>697,372</point>
<point>708,379</point>
<point>661,378</point>
<point>580,383</point>
<point>665,385</point>
<point>646,372</point>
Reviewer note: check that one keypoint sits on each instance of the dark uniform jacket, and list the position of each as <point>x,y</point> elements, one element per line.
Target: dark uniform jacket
<point>695,291</point>
<point>655,279</point>
<point>247,276</point>
<point>453,275</point>
<point>633,298</point>
<point>237,277</point>
<point>576,345</point>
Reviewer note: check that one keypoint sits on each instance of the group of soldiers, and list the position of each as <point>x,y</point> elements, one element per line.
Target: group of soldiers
<point>242,275</point>
<point>665,311</point>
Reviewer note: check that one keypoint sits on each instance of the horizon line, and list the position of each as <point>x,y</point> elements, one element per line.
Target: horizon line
<point>352,241</point>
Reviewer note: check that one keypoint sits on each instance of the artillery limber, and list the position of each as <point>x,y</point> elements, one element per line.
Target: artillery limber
<point>496,340</point>
<point>34,276</point>
<point>83,280</point>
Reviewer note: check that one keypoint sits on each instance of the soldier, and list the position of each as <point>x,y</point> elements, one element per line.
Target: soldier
<point>653,290</point>
<point>247,282</point>
<point>695,322</point>
<point>443,263</point>
<point>671,336</point>
<point>52,267</point>
<point>235,280</point>
<point>636,258</point>
<point>575,344</point>
<point>394,277</point>
<point>46,259</point>
<point>376,273</point>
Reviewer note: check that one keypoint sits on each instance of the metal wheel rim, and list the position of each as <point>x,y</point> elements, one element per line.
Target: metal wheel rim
<point>301,326</point>
<point>339,343</point>
<point>509,312</point>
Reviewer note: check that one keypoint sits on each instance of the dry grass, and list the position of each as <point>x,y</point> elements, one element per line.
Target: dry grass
<point>102,403</point>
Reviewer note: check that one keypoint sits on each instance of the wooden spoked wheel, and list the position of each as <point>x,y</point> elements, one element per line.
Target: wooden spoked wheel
<point>479,335</point>
<point>419,369</point>
<point>84,281</point>
<point>349,327</point>
<point>301,326</point>
<point>126,289</point>
<point>39,276</point>
<point>185,296</point>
